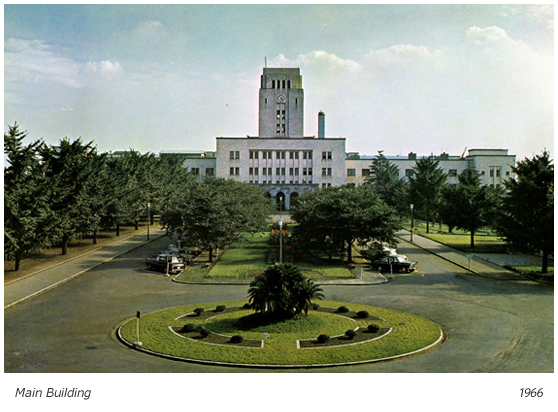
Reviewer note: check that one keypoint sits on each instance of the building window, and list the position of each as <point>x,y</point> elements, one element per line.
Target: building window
<point>296,171</point>
<point>251,171</point>
<point>264,171</point>
<point>452,173</point>
<point>329,171</point>
<point>237,171</point>
<point>365,172</point>
<point>253,154</point>
<point>232,154</point>
<point>231,171</point>
<point>255,171</point>
<point>324,171</point>
<point>323,185</point>
<point>507,173</point>
<point>310,170</point>
<point>351,172</point>
<point>269,171</point>
<point>264,155</point>
<point>497,172</point>
<point>277,171</point>
<point>482,173</point>
<point>304,171</point>
<point>491,173</point>
<point>307,155</point>
<point>282,171</point>
<point>324,155</point>
<point>291,171</point>
<point>235,155</point>
<point>210,171</point>
<point>409,172</point>
<point>283,154</point>
<point>291,155</point>
<point>195,171</point>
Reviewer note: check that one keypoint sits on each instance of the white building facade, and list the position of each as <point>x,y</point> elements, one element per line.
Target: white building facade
<point>285,163</point>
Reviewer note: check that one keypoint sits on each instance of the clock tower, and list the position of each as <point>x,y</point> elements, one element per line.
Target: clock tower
<point>281,112</point>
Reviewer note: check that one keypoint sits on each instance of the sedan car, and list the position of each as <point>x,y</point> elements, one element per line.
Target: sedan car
<point>395,263</point>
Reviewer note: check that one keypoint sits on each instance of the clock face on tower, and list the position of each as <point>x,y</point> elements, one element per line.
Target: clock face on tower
<point>281,98</point>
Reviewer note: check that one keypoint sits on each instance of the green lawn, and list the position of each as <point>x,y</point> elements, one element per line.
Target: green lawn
<point>246,258</point>
<point>486,241</point>
<point>409,333</point>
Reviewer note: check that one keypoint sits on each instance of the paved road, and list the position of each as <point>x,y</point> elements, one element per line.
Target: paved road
<point>493,325</point>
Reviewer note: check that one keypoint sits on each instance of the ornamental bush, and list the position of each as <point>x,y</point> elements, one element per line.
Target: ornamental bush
<point>247,306</point>
<point>220,308</point>
<point>363,314</point>
<point>351,334</point>
<point>205,332</point>
<point>198,311</point>
<point>323,339</point>
<point>373,328</point>
<point>188,328</point>
<point>237,339</point>
<point>342,309</point>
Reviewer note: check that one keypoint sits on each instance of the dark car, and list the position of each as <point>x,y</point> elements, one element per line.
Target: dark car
<point>395,263</point>
<point>166,263</point>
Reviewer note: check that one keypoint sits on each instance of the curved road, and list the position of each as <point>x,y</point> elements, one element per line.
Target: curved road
<point>492,325</point>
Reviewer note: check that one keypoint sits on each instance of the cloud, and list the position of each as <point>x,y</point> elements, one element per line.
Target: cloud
<point>318,60</point>
<point>35,62</point>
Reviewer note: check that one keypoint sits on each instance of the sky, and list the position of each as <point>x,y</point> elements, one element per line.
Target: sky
<point>392,78</point>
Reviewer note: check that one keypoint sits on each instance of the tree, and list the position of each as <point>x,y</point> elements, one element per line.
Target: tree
<point>469,205</point>
<point>527,218</point>
<point>384,177</point>
<point>334,219</point>
<point>282,292</point>
<point>425,186</point>
<point>214,213</point>
<point>27,216</point>
<point>69,168</point>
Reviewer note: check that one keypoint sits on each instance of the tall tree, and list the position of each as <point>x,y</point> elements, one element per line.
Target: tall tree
<point>339,217</point>
<point>425,187</point>
<point>384,177</point>
<point>469,205</point>
<point>527,218</point>
<point>69,168</point>
<point>214,213</point>
<point>27,216</point>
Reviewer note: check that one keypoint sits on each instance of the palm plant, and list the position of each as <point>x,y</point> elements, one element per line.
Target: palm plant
<point>283,292</point>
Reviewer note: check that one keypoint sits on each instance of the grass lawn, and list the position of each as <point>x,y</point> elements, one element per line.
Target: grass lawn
<point>485,241</point>
<point>534,272</point>
<point>246,258</point>
<point>408,333</point>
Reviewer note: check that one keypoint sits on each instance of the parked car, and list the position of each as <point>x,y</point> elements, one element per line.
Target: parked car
<point>166,263</point>
<point>395,263</point>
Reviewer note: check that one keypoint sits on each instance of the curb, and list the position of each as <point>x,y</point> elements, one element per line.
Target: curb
<point>61,282</point>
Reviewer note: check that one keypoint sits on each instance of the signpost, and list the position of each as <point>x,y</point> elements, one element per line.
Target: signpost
<point>470,257</point>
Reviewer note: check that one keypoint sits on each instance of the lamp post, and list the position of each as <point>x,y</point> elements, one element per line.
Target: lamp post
<point>280,230</point>
<point>412,220</point>
<point>148,218</point>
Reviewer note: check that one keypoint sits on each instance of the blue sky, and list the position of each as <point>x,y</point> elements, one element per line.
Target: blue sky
<point>420,78</point>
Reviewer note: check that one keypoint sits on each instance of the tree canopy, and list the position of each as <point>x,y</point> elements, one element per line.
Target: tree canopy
<point>283,292</point>
<point>384,177</point>
<point>527,213</point>
<point>334,219</point>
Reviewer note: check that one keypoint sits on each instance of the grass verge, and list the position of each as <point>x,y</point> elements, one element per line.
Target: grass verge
<point>409,333</point>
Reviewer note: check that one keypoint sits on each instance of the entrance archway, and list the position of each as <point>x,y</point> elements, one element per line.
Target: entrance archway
<point>280,200</point>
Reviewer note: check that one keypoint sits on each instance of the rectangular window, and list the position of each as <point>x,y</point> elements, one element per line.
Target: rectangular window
<point>296,171</point>
<point>255,171</point>
<point>283,155</point>
<point>210,171</point>
<point>251,156</point>
<point>328,155</point>
<point>365,172</point>
<point>309,155</point>
<point>231,171</point>
<point>323,185</point>
<point>264,155</point>
<point>452,173</point>
<point>329,171</point>
<point>282,171</point>
<point>251,171</point>
<point>304,171</point>
<point>291,171</point>
<point>491,173</point>
<point>237,171</point>
<point>305,155</point>
<point>237,155</point>
<point>323,170</point>
<point>269,171</point>
<point>291,155</point>
<point>264,171</point>
<point>195,171</point>
<point>497,172</point>
<point>310,170</point>
<point>324,155</point>
<point>351,172</point>
<point>277,171</point>
<point>232,154</point>
<point>408,172</point>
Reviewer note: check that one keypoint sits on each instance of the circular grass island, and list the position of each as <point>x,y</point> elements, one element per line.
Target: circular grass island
<point>231,334</point>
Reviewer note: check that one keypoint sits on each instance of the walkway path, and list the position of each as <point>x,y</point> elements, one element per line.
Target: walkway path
<point>19,290</point>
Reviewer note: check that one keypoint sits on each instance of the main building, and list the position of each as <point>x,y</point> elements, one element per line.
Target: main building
<point>286,163</point>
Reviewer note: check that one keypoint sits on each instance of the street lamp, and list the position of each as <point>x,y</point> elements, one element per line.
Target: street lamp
<point>412,220</point>
<point>280,230</point>
<point>148,218</point>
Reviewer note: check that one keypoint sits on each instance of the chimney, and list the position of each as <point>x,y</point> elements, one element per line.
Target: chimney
<point>321,125</point>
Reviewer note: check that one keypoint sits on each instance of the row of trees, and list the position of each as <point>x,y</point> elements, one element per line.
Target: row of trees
<point>522,211</point>
<point>53,193</point>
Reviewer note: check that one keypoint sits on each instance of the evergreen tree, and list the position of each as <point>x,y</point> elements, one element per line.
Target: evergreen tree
<point>527,218</point>
<point>27,216</point>
<point>425,187</point>
<point>384,177</point>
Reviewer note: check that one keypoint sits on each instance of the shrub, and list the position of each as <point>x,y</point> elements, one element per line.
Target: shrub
<point>363,314</point>
<point>247,306</point>
<point>205,332</point>
<point>323,339</point>
<point>342,309</point>
<point>373,328</point>
<point>198,311</point>
<point>237,339</point>
<point>188,328</point>
<point>220,308</point>
<point>351,334</point>
<point>315,306</point>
